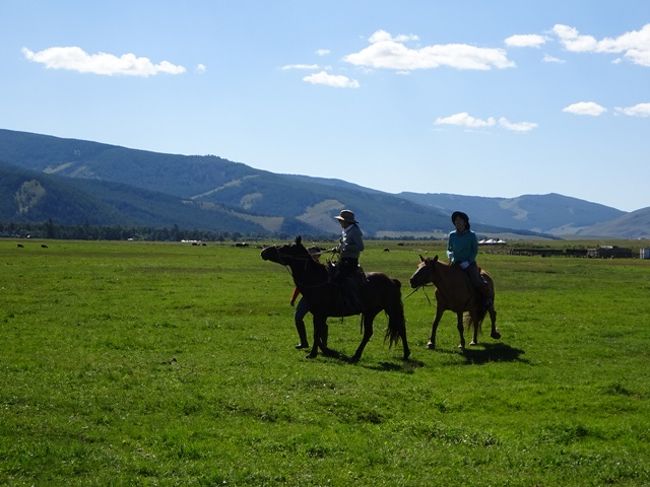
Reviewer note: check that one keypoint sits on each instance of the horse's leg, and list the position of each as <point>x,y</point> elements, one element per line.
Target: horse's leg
<point>493,318</point>
<point>493,314</point>
<point>324,334</point>
<point>459,325</point>
<point>431,345</point>
<point>367,333</point>
<point>323,331</point>
<point>319,324</point>
<point>405,345</point>
<point>328,352</point>
<point>474,324</point>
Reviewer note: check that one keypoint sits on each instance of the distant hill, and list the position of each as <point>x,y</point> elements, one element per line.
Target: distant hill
<point>274,202</point>
<point>635,224</point>
<point>550,213</point>
<point>78,181</point>
<point>29,196</point>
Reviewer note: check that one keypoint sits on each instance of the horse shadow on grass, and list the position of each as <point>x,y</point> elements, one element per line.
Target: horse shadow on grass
<point>493,352</point>
<point>403,366</point>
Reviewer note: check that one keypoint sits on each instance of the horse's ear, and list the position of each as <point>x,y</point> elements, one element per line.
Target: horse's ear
<point>435,259</point>
<point>421,258</point>
<point>298,240</point>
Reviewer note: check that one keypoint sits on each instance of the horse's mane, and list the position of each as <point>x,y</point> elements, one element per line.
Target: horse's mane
<point>319,266</point>
<point>434,261</point>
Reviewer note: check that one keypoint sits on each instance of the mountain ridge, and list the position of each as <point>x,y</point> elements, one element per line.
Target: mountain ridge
<point>241,197</point>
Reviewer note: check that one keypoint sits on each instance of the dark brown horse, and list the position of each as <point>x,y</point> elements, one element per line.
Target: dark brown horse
<point>454,291</point>
<point>323,296</point>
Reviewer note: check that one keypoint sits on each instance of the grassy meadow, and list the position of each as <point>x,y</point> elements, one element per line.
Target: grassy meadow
<point>130,363</point>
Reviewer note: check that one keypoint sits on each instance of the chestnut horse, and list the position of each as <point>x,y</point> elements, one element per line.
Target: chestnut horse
<point>454,291</point>
<point>323,296</point>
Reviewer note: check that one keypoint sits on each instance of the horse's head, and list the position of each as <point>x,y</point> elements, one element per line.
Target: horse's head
<point>424,273</point>
<point>285,254</point>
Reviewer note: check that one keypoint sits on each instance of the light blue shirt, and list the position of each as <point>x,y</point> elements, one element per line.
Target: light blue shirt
<point>351,242</point>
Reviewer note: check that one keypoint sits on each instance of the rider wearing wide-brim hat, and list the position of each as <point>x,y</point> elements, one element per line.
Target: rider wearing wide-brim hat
<point>348,273</point>
<point>351,241</point>
<point>462,248</point>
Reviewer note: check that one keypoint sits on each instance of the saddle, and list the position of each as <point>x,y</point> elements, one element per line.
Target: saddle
<point>348,286</point>
<point>481,293</point>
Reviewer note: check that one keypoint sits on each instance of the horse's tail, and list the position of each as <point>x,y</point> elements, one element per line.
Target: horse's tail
<point>471,324</point>
<point>395,311</point>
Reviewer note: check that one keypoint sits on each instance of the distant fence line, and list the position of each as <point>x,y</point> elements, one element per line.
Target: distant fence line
<point>602,252</point>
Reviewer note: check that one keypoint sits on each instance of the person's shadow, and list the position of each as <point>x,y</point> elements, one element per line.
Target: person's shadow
<point>493,352</point>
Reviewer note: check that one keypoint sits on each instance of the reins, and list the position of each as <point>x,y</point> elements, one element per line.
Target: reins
<point>306,260</point>
<point>423,290</point>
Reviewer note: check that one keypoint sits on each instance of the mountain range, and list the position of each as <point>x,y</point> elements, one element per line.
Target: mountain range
<point>74,181</point>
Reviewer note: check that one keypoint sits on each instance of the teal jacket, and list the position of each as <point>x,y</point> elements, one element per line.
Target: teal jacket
<point>462,247</point>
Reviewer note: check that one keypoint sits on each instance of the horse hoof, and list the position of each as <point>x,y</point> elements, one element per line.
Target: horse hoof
<point>431,345</point>
<point>496,335</point>
<point>354,360</point>
<point>312,355</point>
<point>461,346</point>
<point>407,354</point>
<point>473,343</point>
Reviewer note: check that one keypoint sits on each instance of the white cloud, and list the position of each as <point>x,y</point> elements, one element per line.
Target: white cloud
<point>383,36</point>
<point>335,81</point>
<point>308,67</point>
<point>76,59</point>
<point>634,45</point>
<point>388,52</point>
<point>590,108</point>
<point>552,59</point>
<point>322,52</point>
<point>525,40</point>
<point>573,41</point>
<point>639,110</point>
<point>201,68</point>
<point>517,126</point>
<point>464,119</point>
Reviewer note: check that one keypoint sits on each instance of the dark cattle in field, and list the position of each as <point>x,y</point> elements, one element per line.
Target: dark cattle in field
<point>20,246</point>
<point>43,246</point>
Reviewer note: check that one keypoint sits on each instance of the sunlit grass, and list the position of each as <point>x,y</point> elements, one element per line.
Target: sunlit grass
<point>133,363</point>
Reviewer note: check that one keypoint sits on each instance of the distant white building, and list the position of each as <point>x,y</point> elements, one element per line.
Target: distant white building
<point>492,241</point>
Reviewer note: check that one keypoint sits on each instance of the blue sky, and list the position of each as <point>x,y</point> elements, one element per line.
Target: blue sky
<point>485,98</point>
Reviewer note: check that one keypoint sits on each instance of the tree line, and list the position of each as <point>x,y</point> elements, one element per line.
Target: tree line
<point>53,230</point>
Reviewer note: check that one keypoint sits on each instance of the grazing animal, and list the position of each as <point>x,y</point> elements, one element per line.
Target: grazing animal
<point>323,297</point>
<point>454,291</point>
<point>20,246</point>
<point>44,246</point>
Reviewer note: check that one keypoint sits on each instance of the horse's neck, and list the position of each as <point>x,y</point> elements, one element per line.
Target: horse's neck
<point>307,273</point>
<point>442,275</point>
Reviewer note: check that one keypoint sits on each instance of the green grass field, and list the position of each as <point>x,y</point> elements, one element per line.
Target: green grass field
<point>165,364</point>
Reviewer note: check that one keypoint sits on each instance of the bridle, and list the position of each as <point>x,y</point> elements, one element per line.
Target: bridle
<point>282,260</point>
<point>422,286</point>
